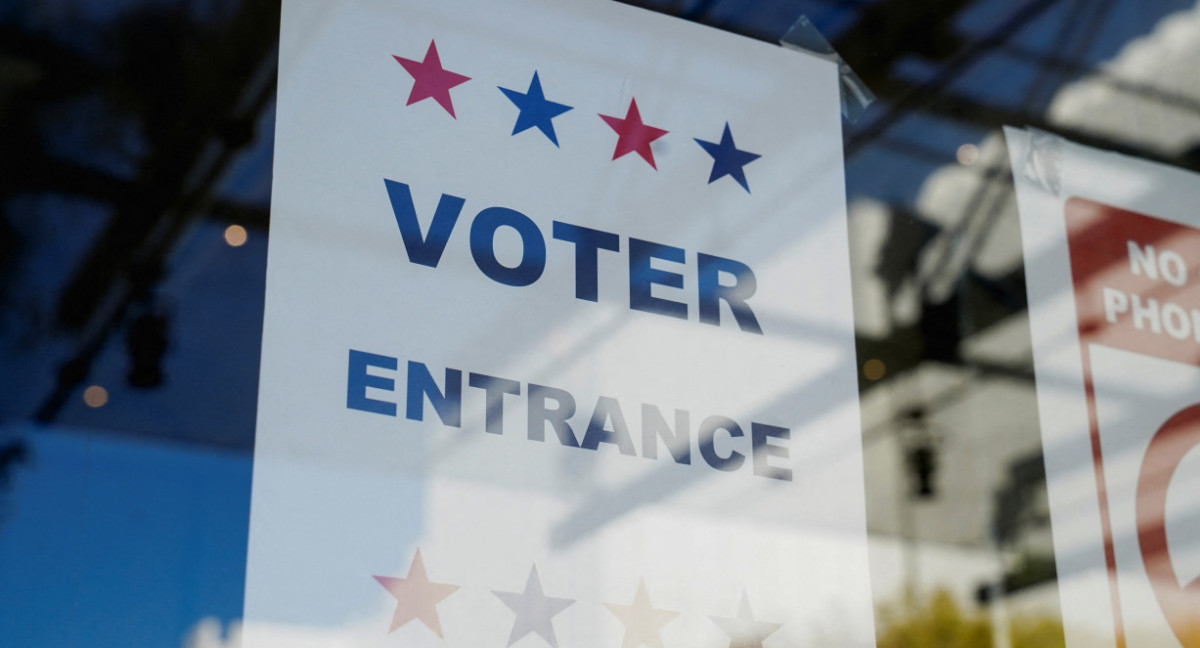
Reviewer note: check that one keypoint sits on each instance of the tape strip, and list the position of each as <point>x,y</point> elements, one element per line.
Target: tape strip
<point>803,36</point>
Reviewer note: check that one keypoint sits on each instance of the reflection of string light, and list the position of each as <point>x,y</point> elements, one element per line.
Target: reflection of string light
<point>967,154</point>
<point>95,396</point>
<point>235,235</point>
<point>874,369</point>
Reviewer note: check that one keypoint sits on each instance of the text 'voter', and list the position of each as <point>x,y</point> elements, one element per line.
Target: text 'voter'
<point>646,259</point>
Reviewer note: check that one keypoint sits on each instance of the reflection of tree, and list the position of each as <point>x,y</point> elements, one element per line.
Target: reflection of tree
<point>939,622</point>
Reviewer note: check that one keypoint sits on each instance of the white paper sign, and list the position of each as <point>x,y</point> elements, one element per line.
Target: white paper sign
<point>558,345</point>
<point>1112,256</point>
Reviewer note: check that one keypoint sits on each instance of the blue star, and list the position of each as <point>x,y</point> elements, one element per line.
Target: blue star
<point>728,160</point>
<point>535,109</point>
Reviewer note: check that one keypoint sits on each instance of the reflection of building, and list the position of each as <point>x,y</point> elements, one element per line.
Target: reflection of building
<point>965,261</point>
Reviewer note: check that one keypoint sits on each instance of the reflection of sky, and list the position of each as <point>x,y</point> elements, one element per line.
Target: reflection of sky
<point>113,542</point>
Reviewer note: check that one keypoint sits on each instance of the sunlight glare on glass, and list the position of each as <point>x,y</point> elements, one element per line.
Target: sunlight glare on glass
<point>95,396</point>
<point>235,235</point>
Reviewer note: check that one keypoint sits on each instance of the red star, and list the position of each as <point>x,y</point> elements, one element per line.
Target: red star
<point>633,135</point>
<point>430,79</point>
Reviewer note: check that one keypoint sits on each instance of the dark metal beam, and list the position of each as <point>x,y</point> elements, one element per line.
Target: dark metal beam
<point>126,256</point>
<point>1074,69</point>
<point>37,174</point>
<point>180,124</point>
<point>968,110</point>
<point>918,96</point>
<point>887,31</point>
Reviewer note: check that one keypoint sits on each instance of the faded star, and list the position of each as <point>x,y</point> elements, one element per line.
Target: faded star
<point>534,610</point>
<point>643,622</point>
<point>633,136</point>
<point>745,631</point>
<point>416,597</point>
<point>431,80</point>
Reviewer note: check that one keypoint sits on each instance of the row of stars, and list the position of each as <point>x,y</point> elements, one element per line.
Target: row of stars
<point>417,598</point>
<point>432,81</point>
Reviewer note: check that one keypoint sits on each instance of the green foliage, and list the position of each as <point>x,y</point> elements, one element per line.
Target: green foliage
<point>939,622</point>
<point>1041,632</point>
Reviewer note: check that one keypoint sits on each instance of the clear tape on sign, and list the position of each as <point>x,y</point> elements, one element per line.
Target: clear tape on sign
<point>1043,161</point>
<point>804,36</point>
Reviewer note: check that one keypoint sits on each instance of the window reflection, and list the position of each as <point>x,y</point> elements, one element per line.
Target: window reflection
<point>137,149</point>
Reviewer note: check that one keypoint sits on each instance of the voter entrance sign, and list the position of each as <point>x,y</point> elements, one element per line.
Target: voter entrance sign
<point>558,345</point>
<point>1113,266</point>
